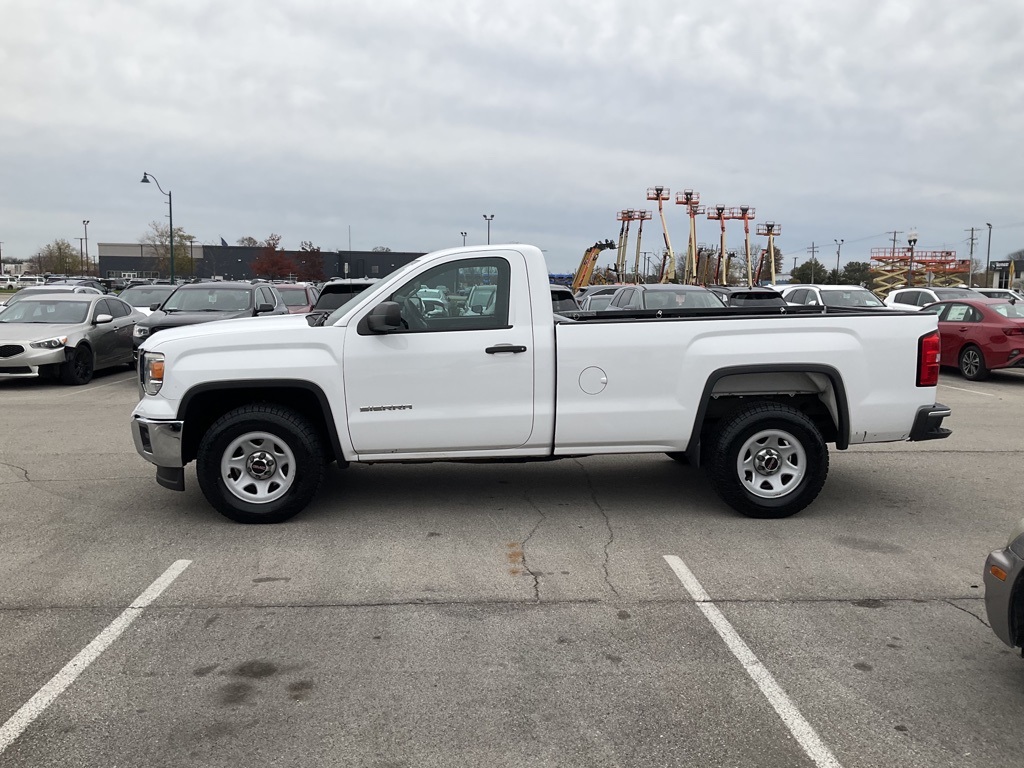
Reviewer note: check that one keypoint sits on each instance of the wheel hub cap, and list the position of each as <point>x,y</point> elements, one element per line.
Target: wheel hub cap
<point>261,465</point>
<point>768,461</point>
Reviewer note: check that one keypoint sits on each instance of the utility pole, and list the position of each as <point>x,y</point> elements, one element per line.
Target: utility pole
<point>988,253</point>
<point>894,233</point>
<point>839,247</point>
<point>814,254</point>
<point>970,262</point>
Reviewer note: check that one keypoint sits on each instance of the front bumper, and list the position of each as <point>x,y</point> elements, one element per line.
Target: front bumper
<point>1001,595</point>
<point>26,364</point>
<point>928,423</point>
<point>159,442</point>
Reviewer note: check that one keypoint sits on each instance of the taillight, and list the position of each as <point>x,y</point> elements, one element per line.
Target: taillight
<point>1014,330</point>
<point>928,360</point>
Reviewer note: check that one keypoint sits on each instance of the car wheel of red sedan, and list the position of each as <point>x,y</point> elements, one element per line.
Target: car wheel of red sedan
<point>972,364</point>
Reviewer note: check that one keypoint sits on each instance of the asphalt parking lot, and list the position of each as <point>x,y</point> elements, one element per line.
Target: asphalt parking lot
<point>609,611</point>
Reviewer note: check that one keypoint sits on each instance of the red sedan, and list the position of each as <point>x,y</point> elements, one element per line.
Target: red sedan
<point>979,335</point>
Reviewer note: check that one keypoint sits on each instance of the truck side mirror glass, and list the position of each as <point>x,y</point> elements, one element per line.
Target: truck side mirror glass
<point>386,316</point>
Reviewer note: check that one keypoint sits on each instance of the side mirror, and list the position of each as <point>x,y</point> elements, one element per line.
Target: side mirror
<point>264,308</point>
<point>385,317</point>
<point>154,307</point>
<point>103,319</point>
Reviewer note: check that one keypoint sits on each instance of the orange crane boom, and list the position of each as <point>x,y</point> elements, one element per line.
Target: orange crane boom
<point>587,264</point>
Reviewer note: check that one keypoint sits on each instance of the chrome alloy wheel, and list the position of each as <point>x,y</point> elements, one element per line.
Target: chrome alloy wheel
<point>258,467</point>
<point>771,463</point>
<point>970,362</point>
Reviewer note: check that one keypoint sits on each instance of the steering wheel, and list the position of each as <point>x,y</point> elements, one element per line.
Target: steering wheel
<point>412,312</point>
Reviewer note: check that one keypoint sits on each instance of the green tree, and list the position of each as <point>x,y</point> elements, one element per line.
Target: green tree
<point>811,271</point>
<point>856,273</point>
<point>248,241</point>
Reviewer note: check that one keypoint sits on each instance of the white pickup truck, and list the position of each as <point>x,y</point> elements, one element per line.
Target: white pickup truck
<point>262,405</point>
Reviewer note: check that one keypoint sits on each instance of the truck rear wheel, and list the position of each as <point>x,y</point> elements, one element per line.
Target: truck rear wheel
<point>768,461</point>
<point>260,463</point>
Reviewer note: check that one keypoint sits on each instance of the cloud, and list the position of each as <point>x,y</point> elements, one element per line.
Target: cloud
<point>408,120</point>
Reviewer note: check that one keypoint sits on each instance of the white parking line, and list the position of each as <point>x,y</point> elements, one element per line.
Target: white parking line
<point>972,391</point>
<point>802,730</point>
<point>98,386</point>
<point>35,706</point>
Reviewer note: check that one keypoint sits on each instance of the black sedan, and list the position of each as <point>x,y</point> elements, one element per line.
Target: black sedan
<point>205,302</point>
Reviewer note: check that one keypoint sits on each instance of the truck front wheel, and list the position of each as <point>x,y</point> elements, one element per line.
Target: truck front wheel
<point>260,463</point>
<point>768,461</point>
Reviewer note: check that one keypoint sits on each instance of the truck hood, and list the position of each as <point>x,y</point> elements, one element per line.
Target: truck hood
<point>161,319</point>
<point>246,325</point>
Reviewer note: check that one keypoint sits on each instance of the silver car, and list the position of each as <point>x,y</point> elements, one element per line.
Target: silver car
<point>66,335</point>
<point>1004,589</point>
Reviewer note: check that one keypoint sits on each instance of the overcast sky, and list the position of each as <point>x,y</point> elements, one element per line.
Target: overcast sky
<point>405,122</point>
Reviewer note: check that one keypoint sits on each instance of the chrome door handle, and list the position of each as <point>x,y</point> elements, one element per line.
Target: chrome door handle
<point>513,348</point>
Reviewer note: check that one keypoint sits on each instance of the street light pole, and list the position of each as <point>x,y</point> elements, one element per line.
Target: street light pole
<point>463,239</point>
<point>839,247</point>
<point>170,214</point>
<point>912,240</point>
<point>85,223</point>
<point>489,218</point>
<point>80,256</point>
<point>988,253</point>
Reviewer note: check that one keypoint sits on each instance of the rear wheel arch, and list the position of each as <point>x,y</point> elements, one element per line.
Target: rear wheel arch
<point>831,418</point>
<point>206,403</point>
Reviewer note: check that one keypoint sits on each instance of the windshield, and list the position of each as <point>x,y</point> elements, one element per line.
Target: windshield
<point>209,300</point>
<point>763,299</point>
<point>46,311</point>
<point>850,298</point>
<point>146,295</point>
<point>956,293</point>
<point>597,303</point>
<point>294,297</point>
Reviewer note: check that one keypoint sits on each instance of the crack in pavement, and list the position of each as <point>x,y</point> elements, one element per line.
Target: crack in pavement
<point>983,622</point>
<point>608,525</point>
<point>529,570</point>
<point>20,469</point>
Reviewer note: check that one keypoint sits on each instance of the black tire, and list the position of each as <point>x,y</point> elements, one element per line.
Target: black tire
<point>972,364</point>
<point>78,368</point>
<point>679,456</point>
<point>768,461</point>
<point>260,439</point>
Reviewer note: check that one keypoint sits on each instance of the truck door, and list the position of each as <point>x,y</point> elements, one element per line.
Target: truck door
<point>457,380</point>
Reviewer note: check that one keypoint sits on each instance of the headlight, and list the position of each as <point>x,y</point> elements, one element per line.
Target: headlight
<point>56,343</point>
<point>140,332</point>
<point>152,372</point>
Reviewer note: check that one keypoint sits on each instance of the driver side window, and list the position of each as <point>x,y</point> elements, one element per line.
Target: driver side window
<point>469,294</point>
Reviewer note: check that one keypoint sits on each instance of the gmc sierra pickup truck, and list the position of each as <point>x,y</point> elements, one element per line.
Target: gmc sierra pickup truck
<point>754,396</point>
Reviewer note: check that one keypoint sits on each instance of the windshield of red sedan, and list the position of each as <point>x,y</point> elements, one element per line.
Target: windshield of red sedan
<point>43,311</point>
<point>294,297</point>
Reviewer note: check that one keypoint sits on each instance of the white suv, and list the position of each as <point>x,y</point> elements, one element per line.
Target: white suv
<point>915,298</point>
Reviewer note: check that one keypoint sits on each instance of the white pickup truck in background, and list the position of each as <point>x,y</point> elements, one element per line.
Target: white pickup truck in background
<point>262,405</point>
